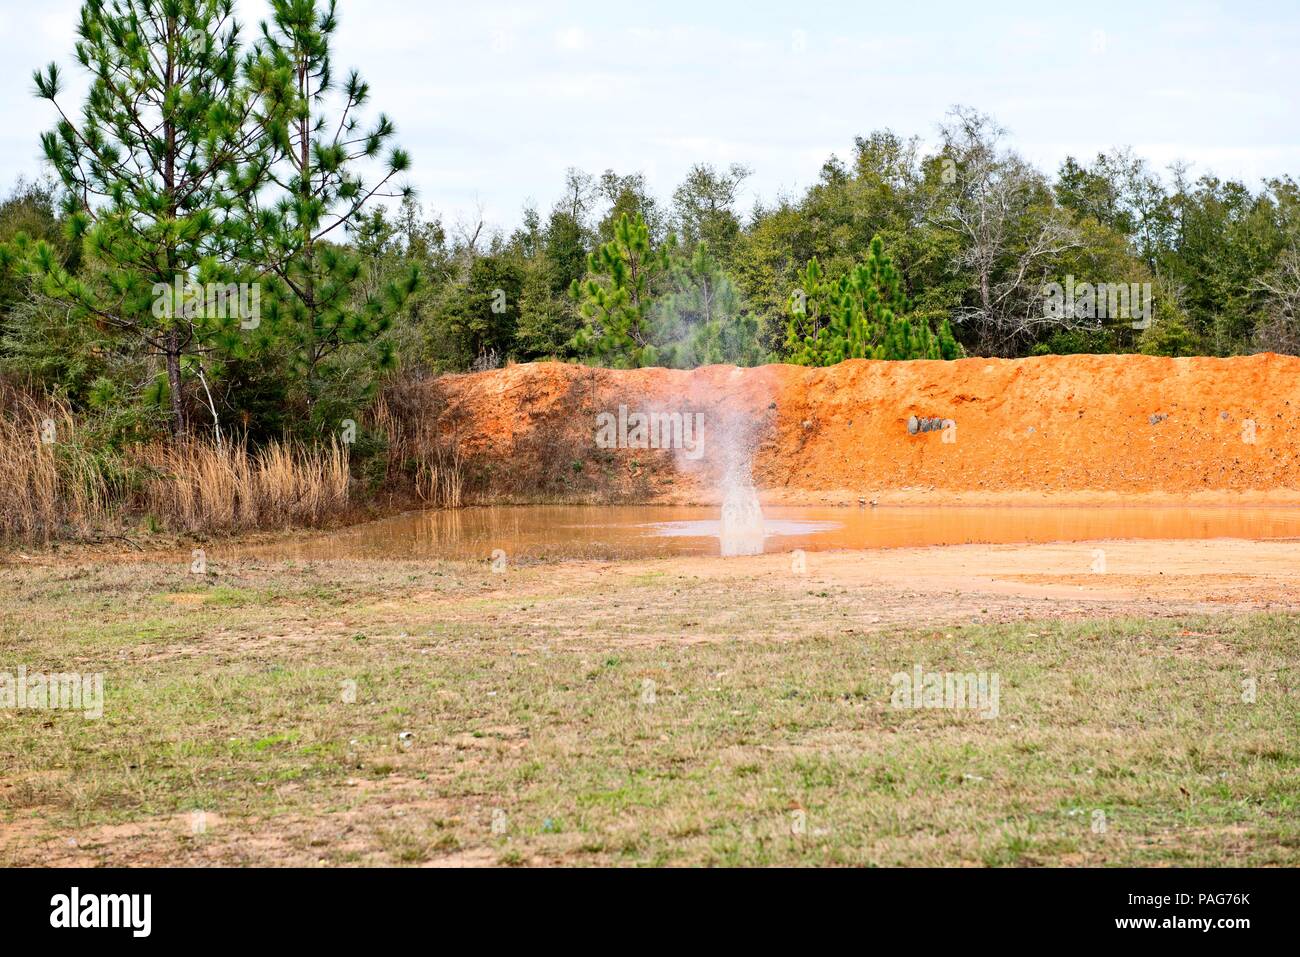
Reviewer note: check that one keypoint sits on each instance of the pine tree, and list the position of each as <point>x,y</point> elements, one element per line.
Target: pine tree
<point>316,297</point>
<point>175,132</point>
<point>548,315</point>
<point>948,345</point>
<point>863,314</point>
<point>700,318</point>
<point>545,324</point>
<point>616,297</point>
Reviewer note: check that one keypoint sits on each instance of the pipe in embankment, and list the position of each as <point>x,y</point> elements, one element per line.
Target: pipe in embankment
<point>929,424</point>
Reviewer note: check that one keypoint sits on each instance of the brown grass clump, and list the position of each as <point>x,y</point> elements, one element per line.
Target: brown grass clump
<point>197,485</point>
<point>44,481</point>
<point>53,484</point>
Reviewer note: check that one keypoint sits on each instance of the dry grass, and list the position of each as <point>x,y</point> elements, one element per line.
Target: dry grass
<point>46,481</point>
<point>53,484</point>
<point>198,486</point>
<point>418,447</point>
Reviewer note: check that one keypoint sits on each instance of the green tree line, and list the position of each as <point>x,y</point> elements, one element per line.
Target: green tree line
<point>199,157</point>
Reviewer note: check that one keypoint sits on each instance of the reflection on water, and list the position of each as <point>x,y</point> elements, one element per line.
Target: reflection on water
<point>713,528</point>
<point>642,531</point>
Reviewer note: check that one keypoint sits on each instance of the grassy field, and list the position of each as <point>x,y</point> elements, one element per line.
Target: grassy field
<point>637,714</point>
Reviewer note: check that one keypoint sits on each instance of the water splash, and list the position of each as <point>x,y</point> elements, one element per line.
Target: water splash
<point>742,529</point>
<point>734,426</point>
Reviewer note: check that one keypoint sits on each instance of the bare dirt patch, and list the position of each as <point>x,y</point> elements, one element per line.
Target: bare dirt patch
<point>1115,429</point>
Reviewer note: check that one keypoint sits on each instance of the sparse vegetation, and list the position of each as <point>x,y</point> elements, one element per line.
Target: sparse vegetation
<point>223,693</point>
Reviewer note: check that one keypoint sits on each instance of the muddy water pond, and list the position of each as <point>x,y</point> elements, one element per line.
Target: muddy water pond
<point>554,532</point>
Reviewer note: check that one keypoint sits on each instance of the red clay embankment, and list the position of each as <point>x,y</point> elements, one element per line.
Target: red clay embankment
<point>1067,429</point>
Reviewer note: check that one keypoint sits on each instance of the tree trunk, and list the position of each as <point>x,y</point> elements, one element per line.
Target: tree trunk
<point>986,305</point>
<point>174,383</point>
<point>308,245</point>
<point>173,340</point>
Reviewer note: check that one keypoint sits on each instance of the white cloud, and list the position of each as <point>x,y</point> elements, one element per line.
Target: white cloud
<point>572,39</point>
<point>495,100</point>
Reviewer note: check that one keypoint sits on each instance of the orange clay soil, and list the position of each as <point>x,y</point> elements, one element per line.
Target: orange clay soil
<point>1061,429</point>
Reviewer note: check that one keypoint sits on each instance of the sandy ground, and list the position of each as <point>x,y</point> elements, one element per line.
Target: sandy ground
<point>1138,576</point>
<point>926,587</point>
<point>590,610</point>
<point>930,585</point>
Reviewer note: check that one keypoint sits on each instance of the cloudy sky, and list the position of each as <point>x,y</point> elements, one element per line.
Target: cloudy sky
<point>495,100</point>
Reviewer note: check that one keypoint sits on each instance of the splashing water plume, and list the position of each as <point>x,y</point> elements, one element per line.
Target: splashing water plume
<point>735,436</point>
<point>742,516</point>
